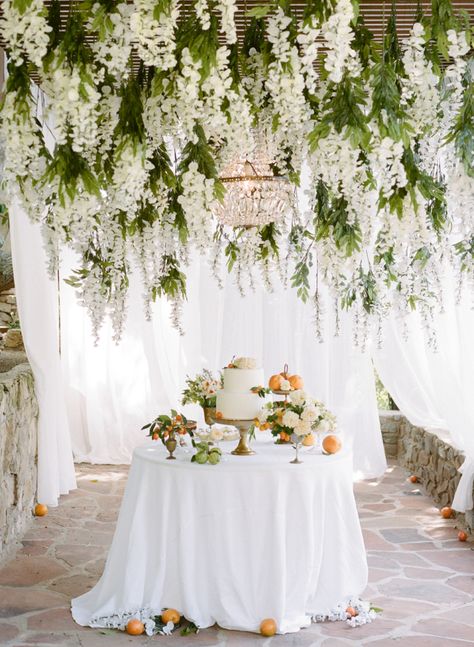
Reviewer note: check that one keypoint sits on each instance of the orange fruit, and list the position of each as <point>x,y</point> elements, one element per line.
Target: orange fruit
<point>274,382</point>
<point>462,536</point>
<point>155,436</point>
<point>268,627</point>
<point>170,615</point>
<point>179,418</point>
<point>351,611</point>
<point>331,444</point>
<point>219,415</point>
<point>284,436</point>
<point>41,510</point>
<point>135,627</point>
<point>446,512</point>
<point>296,382</point>
<point>308,440</point>
<point>413,478</point>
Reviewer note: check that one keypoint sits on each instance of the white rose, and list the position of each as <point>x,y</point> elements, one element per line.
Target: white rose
<point>324,426</point>
<point>298,397</point>
<point>309,414</point>
<point>285,385</point>
<point>262,415</point>
<point>217,434</point>
<point>303,428</point>
<point>290,419</point>
<point>245,362</point>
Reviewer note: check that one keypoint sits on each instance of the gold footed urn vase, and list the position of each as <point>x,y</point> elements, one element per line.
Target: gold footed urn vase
<point>209,415</point>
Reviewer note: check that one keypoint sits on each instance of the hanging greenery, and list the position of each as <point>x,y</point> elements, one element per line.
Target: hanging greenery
<point>385,132</point>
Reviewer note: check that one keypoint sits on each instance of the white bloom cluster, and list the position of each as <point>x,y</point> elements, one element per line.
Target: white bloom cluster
<point>196,200</point>
<point>25,30</point>
<point>228,9</point>
<point>201,8</point>
<point>308,34</point>
<point>386,159</point>
<point>363,613</point>
<point>420,91</point>
<point>130,176</point>
<point>285,84</point>
<point>113,46</point>
<point>74,103</point>
<point>338,35</point>
<point>155,34</point>
<point>245,362</point>
<point>23,146</point>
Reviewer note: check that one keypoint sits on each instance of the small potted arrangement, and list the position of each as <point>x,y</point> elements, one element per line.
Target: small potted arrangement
<point>168,428</point>
<point>295,420</point>
<point>202,390</point>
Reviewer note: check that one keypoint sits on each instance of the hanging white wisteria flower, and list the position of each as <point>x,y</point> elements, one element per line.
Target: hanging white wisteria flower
<point>228,9</point>
<point>420,89</point>
<point>25,30</point>
<point>381,140</point>
<point>73,105</point>
<point>113,46</point>
<point>338,35</point>
<point>153,27</point>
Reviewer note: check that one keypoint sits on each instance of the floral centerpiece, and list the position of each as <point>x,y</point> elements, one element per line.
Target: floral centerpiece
<point>166,427</point>
<point>202,390</point>
<point>296,418</point>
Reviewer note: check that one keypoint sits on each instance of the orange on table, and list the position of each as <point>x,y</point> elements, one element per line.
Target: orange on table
<point>219,415</point>
<point>462,536</point>
<point>331,444</point>
<point>413,478</point>
<point>446,512</point>
<point>41,510</point>
<point>170,615</point>
<point>135,627</point>
<point>268,627</point>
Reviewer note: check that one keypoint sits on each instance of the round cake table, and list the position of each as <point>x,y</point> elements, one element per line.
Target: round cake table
<point>250,538</point>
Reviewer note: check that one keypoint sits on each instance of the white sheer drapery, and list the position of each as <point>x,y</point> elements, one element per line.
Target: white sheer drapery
<point>434,389</point>
<point>114,389</point>
<point>37,298</point>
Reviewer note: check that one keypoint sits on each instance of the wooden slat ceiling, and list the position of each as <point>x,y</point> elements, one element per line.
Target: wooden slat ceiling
<point>375,13</point>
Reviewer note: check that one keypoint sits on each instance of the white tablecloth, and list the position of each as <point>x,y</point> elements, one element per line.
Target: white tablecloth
<point>251,538</point>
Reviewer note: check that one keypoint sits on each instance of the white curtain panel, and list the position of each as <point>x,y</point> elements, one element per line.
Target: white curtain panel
<point>37,298</point>
<point>112,390</point>
<point>434,388</point>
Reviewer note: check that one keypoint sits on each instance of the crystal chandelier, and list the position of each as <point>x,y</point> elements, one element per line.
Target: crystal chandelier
<point>254,195</point>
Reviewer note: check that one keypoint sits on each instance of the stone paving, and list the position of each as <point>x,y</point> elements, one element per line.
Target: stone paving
<point>420,574</point>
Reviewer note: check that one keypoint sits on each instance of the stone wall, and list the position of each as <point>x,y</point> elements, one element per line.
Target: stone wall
<point>18,455</point>
<point>429,457</point>
<point>8,309</point>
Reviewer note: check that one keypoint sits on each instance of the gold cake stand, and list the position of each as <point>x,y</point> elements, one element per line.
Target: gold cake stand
<point>243,448</point>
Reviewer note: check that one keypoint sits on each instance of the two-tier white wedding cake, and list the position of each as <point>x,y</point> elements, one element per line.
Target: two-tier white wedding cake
<point>236,401</point>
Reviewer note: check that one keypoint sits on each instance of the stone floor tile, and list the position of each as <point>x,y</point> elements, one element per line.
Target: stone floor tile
<point>7,632</point>
<point>419,641</point>
<point>461,560</point>
<point>28,571</point>
<point>401,535</point>
<point>35,548</point>
<point>444,628</point>
<point>76,554</point>
<point>374,542</point>
<point>463,582</point>
<point>73,585</point>
<point>464,614</point>
<point>399,609</point>
<point>426,574</point>
<point>16,602</point>
<point>430,591</point>
<point>57,620</point>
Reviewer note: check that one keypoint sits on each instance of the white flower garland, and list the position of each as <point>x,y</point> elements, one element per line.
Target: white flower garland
<point>338,35</point>
<point>228,9</point>
<point>155,34</point>
<point>26,33</point>
<point>113,47</point>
